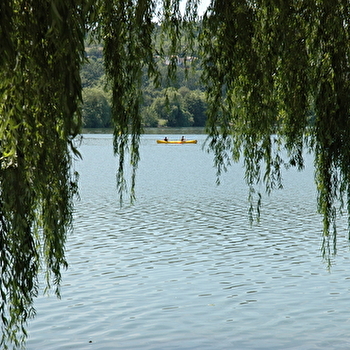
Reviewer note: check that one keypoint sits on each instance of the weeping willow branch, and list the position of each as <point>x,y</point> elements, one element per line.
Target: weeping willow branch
<point>42,52</point>
<point>276,74</point>
<point>278,70</point>
<point>127,31</point>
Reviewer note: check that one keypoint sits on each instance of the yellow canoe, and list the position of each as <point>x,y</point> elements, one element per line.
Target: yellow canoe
<point>186,141</point>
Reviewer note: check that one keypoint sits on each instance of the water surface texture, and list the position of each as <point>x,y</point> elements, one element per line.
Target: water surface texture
<point>183,269</point>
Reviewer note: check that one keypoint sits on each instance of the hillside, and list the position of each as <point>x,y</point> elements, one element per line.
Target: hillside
<point>171,103</point>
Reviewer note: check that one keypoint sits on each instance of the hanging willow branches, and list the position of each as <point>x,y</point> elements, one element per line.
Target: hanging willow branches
<point>127,29</point>
<point>277,80</point>
<point>277,77</point>
<point>41,53</point>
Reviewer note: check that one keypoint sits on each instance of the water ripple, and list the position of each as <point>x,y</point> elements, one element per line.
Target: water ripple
<point>183,269</point>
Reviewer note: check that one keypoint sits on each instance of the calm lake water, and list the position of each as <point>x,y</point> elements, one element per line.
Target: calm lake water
<point>183,269</point>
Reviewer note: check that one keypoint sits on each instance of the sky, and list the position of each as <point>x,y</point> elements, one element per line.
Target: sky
<point>202,6</point>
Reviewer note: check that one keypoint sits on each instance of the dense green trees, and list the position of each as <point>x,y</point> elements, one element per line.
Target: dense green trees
<point>187,109</point>
<point>267,66</point>
<point>96,109</point>
<point>176,109</point>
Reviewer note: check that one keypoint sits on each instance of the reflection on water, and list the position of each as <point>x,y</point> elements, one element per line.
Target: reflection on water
<point>183,269</point>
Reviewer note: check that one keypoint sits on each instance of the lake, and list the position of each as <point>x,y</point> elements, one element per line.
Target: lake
<point>182,268</point>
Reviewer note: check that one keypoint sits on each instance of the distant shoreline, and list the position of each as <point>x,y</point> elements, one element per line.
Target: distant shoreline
<point>150,131</point>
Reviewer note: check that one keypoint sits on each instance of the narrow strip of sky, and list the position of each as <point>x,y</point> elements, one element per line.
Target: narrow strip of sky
<point>203,5</point>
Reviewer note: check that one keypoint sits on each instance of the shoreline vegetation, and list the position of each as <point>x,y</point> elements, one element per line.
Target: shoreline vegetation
<point>151,131</point>
<point>178,102</point>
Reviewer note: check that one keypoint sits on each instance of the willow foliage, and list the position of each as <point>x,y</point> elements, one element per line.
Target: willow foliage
<point>276,74</point>
<point>41,54</point>
<point>127,30</point>
<point>42,49</point>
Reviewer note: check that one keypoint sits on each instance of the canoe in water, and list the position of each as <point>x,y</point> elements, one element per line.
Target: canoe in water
<point>186,141</point>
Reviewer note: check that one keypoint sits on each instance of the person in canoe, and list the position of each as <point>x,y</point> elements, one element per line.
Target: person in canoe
<point>166,138</point>
<point>183,138</point>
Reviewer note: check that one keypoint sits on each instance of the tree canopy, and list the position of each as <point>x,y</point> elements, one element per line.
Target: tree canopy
<point>190,102</point>
<point>276,78</point>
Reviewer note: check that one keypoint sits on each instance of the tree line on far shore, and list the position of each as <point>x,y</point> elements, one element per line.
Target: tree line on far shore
<point>177,103</point>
